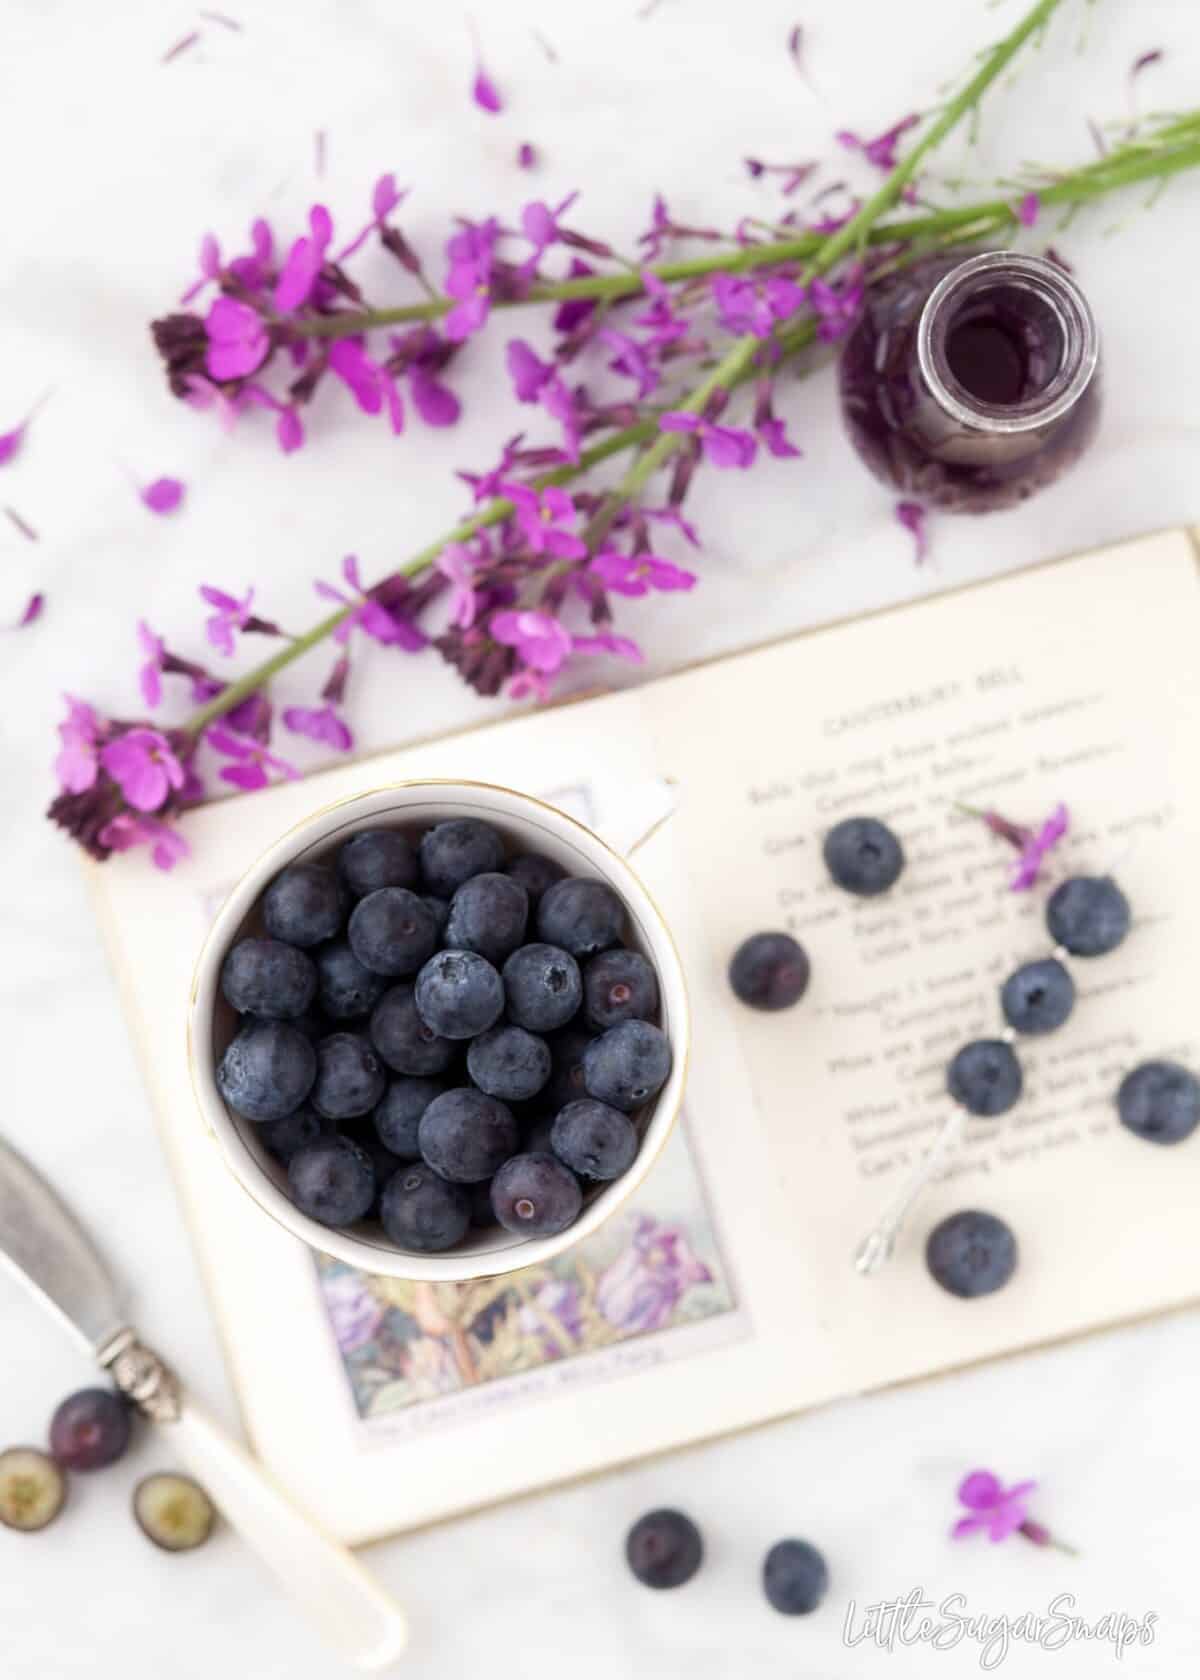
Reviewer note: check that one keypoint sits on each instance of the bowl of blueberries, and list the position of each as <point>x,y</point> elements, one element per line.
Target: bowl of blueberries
<point>439,1031</point>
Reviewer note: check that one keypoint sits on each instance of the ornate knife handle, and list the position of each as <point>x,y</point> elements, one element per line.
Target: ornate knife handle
<point>142,1376</point>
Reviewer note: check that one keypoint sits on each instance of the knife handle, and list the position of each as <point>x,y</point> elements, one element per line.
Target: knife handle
<point>324,1578</point>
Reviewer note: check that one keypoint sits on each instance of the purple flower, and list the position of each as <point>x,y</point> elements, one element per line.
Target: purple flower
<point>150,675</point>
<point>912,516</point>
<point>540,641</point>
<point>209,264</point>
<point>231,615</point>
<point>362,377</point>
<point>1035,848</point>
<point>724,446</point>
<point>546,519</point>
<point>354,1311</point>
<point>631,360</point>
<point>837,307</point>
<point>238,341</point>
<point>573,312</point>
<point>644,1285</point>
<point>163,495</point>
<point>882,150</point>
<point>769,427</point>
<point>289,430</point>
<point>526,684</point>
<point>673,517</point>
<point>539,224</point>
<point>637,574</point>
<point>303,263</point>
<point>125,830</point>
<point>663,228</point>
<point>620,647</point>
<point>664,325</point>
<point>527,370</point>
<point>392,629</point>
<point>1028,209</point>
<point>560,405</point>
<point>31,611</point>
<point>252,761</point>
<point>319,723</point>
<point>526,156</point>
<point>78,762</point>
<point>434,402</point>
<point>745,306</point>
<point>386,196</point>
<point>993,1508</point>
<point>457,563</point>
<point>469,278</point>
<point>144,767</point>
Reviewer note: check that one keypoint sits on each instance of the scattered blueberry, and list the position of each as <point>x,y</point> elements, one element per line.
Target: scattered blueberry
<point>345,988</point>
<point>304,905</point>
<point>90,1429</point>
<point>423,1212</point>
<point>1038,997</point>
<point>267,1070</point>
<point>293,1131</point>
<point>863,856</point>
<point>267,978</point>
<point>580,916</point>
<point>535,1195</point>
<point>664,1549</point>
<point>1088,915</point>
<point>488,914</point>
<point>375,858</point>
<point>567,1050</point>
<point>795,1577</point>
<point>769,971</point>
<point>618,986</point>
<point>535,872</point>
<point>595,1141</point>
<point>465,1135</point>
<point>509,1063</point>
<point>173,1511</point>
<point>628,1065</point>
<point>332,1181</point>
<point>392,931</point>
<point>454,851</point>
<point>350,1078</point>
<point>459,994</point>
<point>985,1077</point>
<point>543,986</point>
<point>402,1038</point>
<point>33,1490</point>
<point>399,1114</point>
<point>1160,1101</point>
<point>971,1254</point>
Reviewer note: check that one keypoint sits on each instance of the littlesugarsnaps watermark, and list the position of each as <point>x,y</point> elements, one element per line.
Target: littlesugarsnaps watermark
<point>914,1619</point>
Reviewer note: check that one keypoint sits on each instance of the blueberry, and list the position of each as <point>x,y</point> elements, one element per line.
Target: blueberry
<point>769,971</point>
<point>1038,997</point>
<point>90,1429</point>
<point>423,1212</point>
<point>509,1063</point>
<point>535,872</point>
<point>440,910</point>
<point>985,1077</point>
<point>483,1214</point>
<point>664,1549</point>
<point>374,858</point>
<point>402,1038</point>
<point>863,856</point>
<point>595,1141</point>
<point>350,1078</point>
<point>459,994</point>
<point>465,1135</point>
<point>267,978</point>
<point>294,1131</point>
<point>345,988</point>
<point>454,851</point>
<point>1088,915</point>
<point>488,914</point>
<point>628,1065</point>
<point>1160,1101</point>
<point>536,1196</point>
<point>399,1114</point>
<point>567,1050</point>
<point>581,916</point>
<point>33,1490</point>
<point>392,931</point>
<point>618,986</point>
<point>971,1254</point>
<point>795,1577</point>
<point>543,986</point>
<point>267,1070</point>
<point>332,1181</point>
<point>304,905</point>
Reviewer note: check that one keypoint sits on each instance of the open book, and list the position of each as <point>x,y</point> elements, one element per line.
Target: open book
<point>726,1293</point>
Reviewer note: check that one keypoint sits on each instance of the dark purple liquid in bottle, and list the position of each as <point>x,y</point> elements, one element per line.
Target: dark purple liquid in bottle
<point>972,382</point>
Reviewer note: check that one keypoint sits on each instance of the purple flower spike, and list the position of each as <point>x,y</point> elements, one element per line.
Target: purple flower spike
<point>912,516</point>
<point>163,495</point>
<point>238,341</point>
<point>144,768</point>
<point>882,150</point>
<point>1028,209</point>
<point>320,723</point>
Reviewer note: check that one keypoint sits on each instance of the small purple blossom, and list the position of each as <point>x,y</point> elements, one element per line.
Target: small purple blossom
<point>369,615</point>
<point>769,427</point>
<point>434,402</point>
<point>992,1507</point>
<point>124,831</point>
<point>386,196</point>
<point>363,378</point>
<point>457,564</point>
<point>469,279</point>
<point>912,516</point>
<point>528,372</point>
<point>540,641</point>
<point>238,341</point>
<point>1028,210</point>
<point>144,767</point>
<point>724,446</point>
<point>319,723</point>
<point>638,574</point>
<point>303,263</point>
<point>163,495</point>
<point>631,360</point>
<point>882,150</point>
<point>78,762</point>
<point>546,519</point>
<point>252,762</point>
<point>231,616</point>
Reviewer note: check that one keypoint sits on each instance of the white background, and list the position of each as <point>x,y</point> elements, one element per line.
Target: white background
<point>114,163</point>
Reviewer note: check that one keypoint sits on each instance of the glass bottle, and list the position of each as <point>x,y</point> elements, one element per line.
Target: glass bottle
<point>969,383</point>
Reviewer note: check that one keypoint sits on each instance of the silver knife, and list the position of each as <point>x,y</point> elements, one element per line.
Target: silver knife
<point>43,1243</point>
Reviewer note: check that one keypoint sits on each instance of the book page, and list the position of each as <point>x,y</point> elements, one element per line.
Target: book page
<point>1077,682</point>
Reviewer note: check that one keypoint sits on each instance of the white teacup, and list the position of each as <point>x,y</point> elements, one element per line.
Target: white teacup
<point>528,825</point>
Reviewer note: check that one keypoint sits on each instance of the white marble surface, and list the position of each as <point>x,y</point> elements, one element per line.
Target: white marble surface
<point>114,164</point>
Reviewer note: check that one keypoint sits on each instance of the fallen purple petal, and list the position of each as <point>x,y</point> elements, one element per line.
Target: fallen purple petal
<point>1028,209</point>
<point>1144,60</point>
<point>485,93</point>
<point>22,525</point>
<point>795,43</point>
<point>184,44</point>
<point>225,21</point>
<point>34,608</point>
<point>163,495</point>
<point>526,156</point>
<point>318,723</point>
<point>912,516</point>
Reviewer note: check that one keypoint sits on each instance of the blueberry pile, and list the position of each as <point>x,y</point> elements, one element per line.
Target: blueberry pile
<point>442,1036</point>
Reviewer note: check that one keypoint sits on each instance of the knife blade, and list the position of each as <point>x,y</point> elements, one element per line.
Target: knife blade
<point>43,1243</point>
